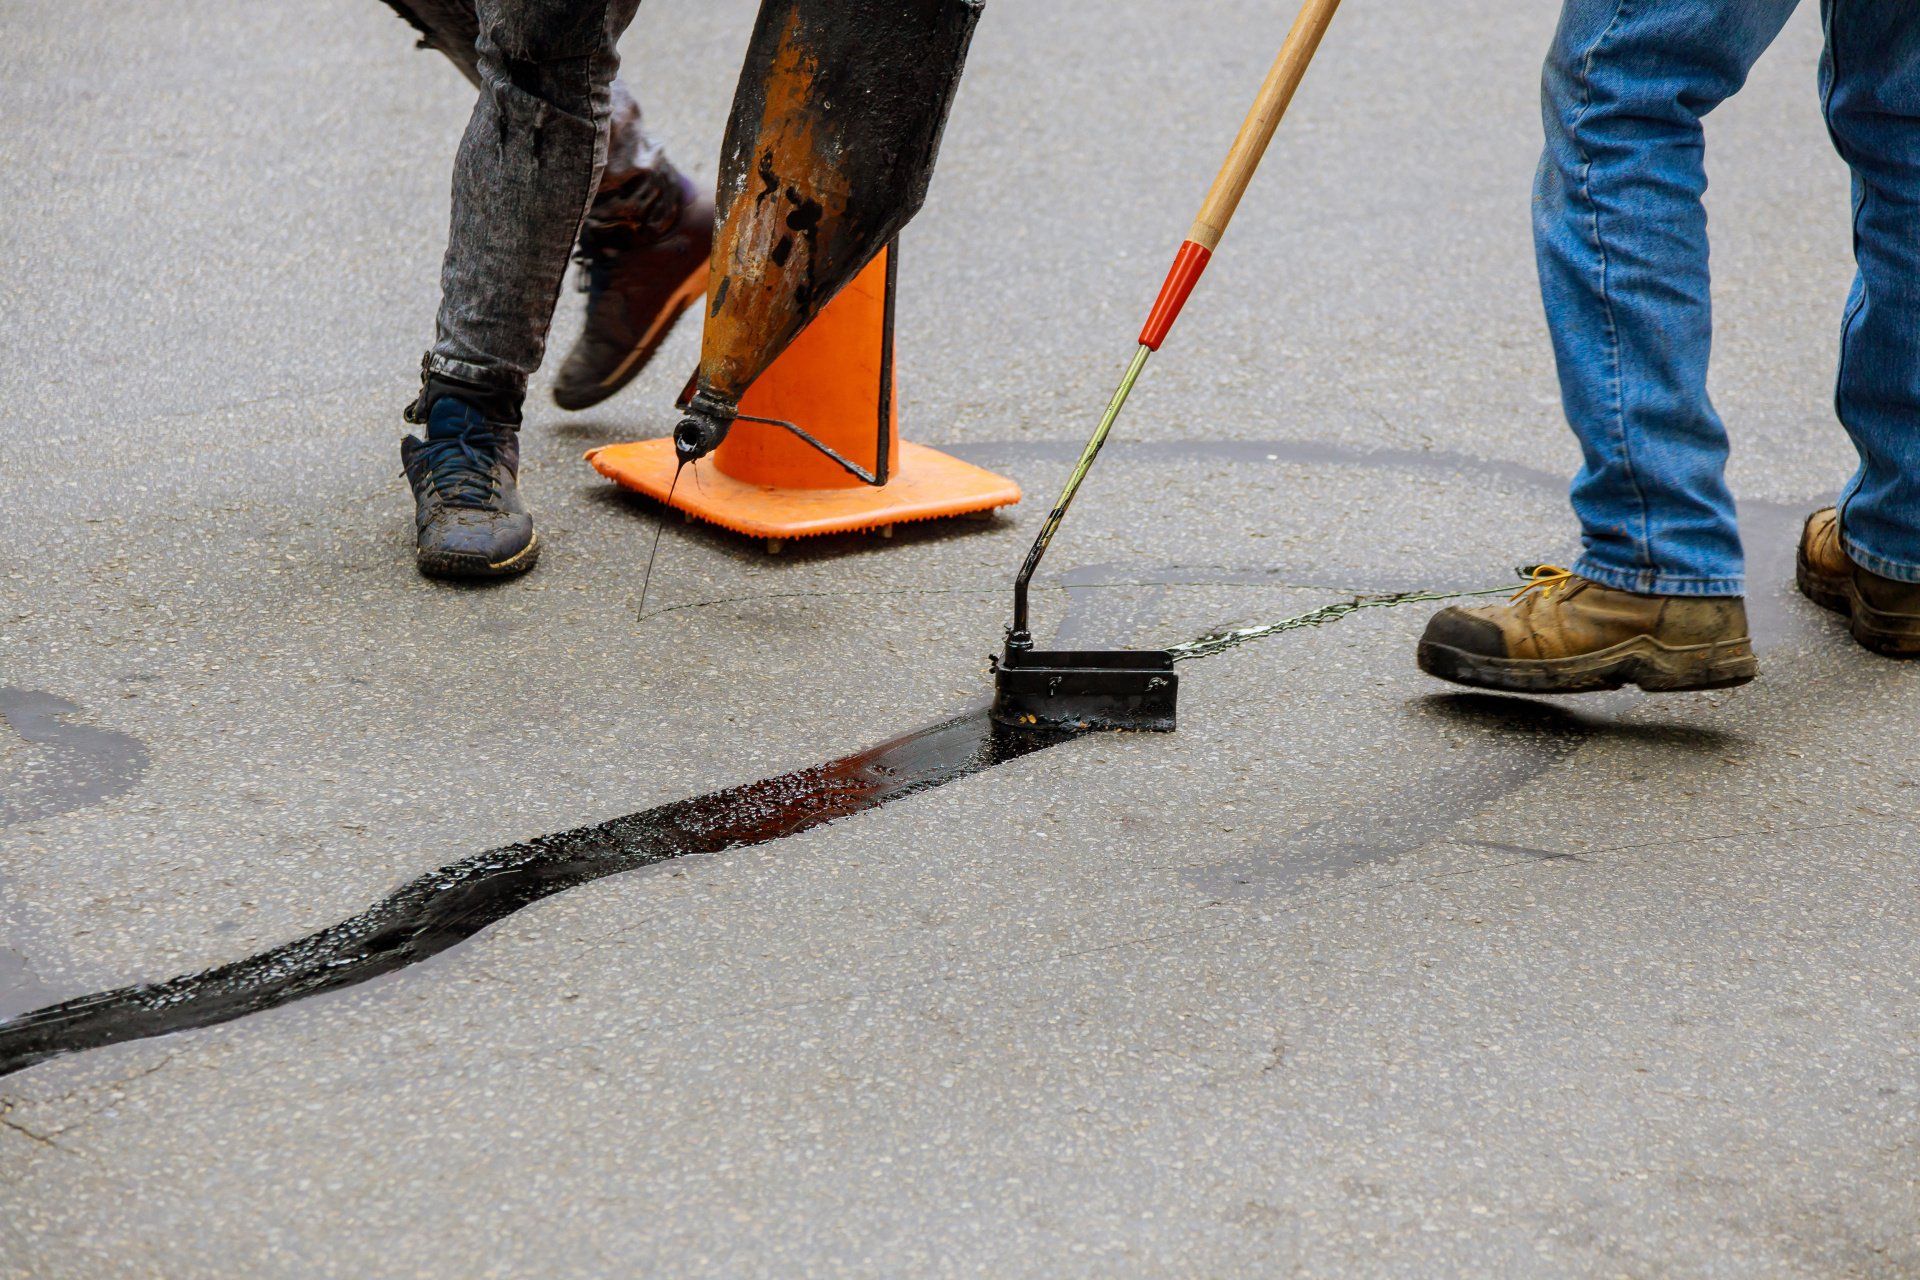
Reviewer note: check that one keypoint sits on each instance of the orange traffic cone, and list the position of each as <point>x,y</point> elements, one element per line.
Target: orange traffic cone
<point>835,384</point>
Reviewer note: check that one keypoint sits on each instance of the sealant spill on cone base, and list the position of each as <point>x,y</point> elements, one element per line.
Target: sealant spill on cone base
<point>835,381</point>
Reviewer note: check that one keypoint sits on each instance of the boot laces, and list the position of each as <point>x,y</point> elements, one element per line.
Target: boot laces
<point>1544,578</point>
<point>460,467</point>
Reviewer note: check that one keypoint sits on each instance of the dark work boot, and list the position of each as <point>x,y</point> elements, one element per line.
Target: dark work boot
<point>643,261</point>
<point>469,521</point>
<point>1883,614</point>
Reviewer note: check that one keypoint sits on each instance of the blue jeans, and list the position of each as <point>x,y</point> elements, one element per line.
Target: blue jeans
<point>1621,239</point>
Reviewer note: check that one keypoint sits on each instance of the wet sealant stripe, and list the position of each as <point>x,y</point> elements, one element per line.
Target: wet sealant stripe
<point>445,907</point>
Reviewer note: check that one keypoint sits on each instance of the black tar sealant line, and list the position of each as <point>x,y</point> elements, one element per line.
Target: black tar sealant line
<point>446,907</point>
<point>438,911</point>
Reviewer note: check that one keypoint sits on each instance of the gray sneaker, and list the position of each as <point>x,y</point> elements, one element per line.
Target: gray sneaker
<point>469,521</point>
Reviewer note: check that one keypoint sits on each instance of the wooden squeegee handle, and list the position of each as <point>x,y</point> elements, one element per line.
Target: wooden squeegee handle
<point>1242,161</point>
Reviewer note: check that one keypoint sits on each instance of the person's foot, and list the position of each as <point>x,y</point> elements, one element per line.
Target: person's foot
<point>640,273</point>
<point>469,521</point>
<point>1566,634</point>
<point>1882,613</point>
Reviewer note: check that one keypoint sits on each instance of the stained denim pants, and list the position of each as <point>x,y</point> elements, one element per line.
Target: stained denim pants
<point>553,127</point>
<point>1621,240</point>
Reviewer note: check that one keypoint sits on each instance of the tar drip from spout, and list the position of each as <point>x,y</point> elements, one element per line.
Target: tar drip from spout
<point>640,614</point>
<point>445,907</point>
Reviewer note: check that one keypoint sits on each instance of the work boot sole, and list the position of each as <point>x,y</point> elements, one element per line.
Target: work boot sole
<point>1642,661</point>
<point>690,291</point>
<point>459,567</point>
<point>1891,635</point>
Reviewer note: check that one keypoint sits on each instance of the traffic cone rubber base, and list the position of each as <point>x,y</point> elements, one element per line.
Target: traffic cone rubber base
<point>926,485</point>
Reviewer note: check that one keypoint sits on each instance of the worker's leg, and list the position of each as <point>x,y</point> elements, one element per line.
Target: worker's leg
<point>1621,240</point>
<point>453,27</point>
<point>644,247</point>
<point>1870,83</point>
<point>1863,560</point>
<point>524,175</point>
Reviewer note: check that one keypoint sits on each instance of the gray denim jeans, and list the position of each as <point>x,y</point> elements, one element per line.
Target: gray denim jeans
<point>553,129</point>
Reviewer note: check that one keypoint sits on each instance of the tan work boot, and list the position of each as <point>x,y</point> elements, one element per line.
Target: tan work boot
<point>1882,613</point>
<point>1562,633</point>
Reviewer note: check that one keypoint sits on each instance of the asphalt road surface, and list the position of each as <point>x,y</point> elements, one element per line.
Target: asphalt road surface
<point>1351,976</point>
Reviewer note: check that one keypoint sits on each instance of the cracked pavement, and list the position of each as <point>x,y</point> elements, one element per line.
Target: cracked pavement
<point>1352,976</point>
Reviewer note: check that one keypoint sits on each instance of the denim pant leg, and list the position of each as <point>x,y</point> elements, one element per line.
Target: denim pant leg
<point>534,154</point>
<point>1870,85</point>
<point>1620,237</point>
<point>453,27</point>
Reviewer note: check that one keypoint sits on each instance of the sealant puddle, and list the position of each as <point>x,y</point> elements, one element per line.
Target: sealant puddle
<point>68,765</point>
<point>444,908</point>
<point>55,766</point>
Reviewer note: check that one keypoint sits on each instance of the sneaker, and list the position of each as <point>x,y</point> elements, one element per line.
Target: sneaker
<point>469,521</point>
<point>640,274</point>
<point>1562,633</point>
<point>1882,613</point>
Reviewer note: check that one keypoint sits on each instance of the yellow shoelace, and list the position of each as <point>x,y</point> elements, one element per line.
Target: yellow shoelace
<point>1545,578</point>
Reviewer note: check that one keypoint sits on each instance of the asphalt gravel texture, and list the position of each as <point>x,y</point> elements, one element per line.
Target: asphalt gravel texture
<point>1354,975</point>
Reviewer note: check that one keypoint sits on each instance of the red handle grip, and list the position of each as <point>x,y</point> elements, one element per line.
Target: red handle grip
<point>1187,266</point>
